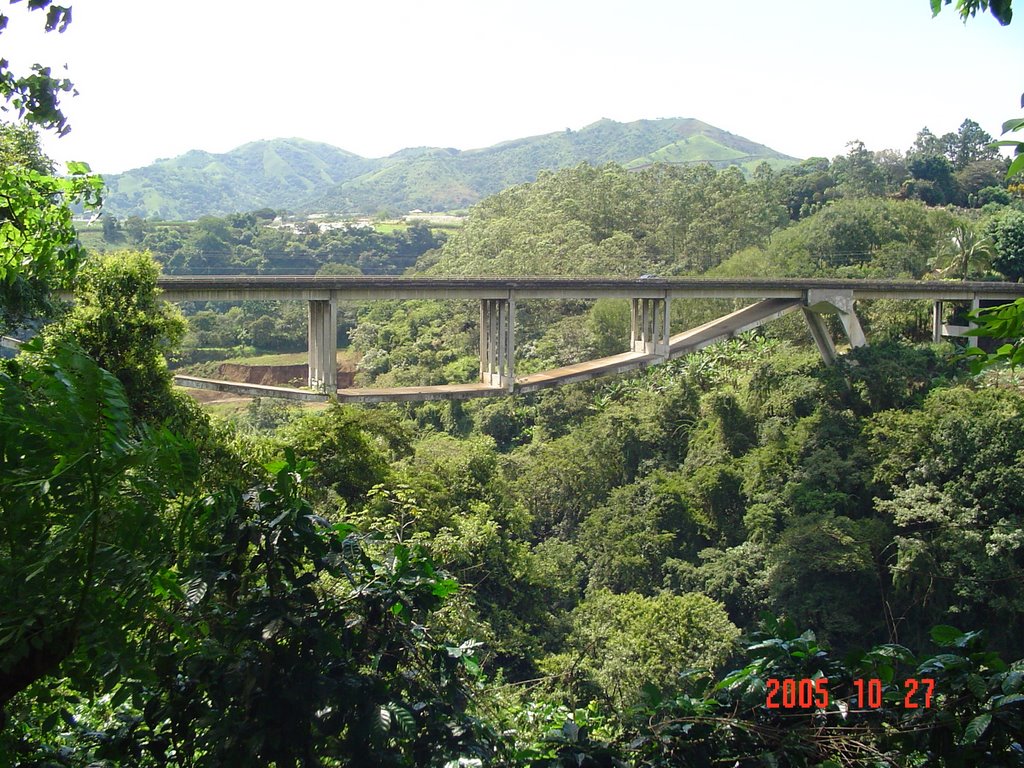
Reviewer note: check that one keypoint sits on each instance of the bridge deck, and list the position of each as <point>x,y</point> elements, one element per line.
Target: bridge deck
<point>729,325</point>
<point>251,390</point>
<point>372,287</point>
<point>416,394</point>
<point>591,369</point>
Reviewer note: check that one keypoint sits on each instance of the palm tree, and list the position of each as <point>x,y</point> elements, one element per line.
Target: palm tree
<point>968,252</point>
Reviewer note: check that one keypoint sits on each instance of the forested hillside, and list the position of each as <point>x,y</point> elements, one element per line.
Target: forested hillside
<point>281,174</point>
<point>304,176</point>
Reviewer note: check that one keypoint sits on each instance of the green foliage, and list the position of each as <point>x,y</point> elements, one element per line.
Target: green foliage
<point>857,174</point>
<point>868,237</point>
<point>955,474</point>
<point>36,96</point>
<point>933,181</point>
<point>560,481</point>
<point>626,642</point>
<point>1001,9</point>
<point>741,478</point>
<point>807,186</point>
<point>121,323</point>
<point>86,519</point>
<point>416,343</point>
<point>248,244</point>
<point>1005,322</point>
<point>891,376</point>
<point>968,253</point>
<point>738,577</point>
<point>824,570</point>
<point>267,414</point>
<point>629,538</point>
<point>348,453</point>
<point>306,641</point>
<point>458,506</point>
<point>19,146</point>
<point>39,248</point>
<point>605,220</point>
<point>971,718</point>
<point>1006,231</point>
<point>278,638</point>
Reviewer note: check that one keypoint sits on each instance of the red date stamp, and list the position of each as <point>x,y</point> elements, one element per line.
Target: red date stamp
<point>813,693</point>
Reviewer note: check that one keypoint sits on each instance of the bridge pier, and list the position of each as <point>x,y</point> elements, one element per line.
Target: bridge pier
<point>817,303</point>
<point>498,342</point>
<point>650,322</point>
<point>323,345</point>
<point>940,330</point>
<point>972,341</point>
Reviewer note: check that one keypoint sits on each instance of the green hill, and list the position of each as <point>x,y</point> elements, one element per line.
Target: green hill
<point>283,173</point>
<point>306,176</point>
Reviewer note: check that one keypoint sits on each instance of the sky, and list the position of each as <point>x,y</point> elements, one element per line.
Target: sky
<point>805,77</point>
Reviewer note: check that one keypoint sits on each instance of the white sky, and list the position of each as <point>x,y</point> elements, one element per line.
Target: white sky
<point>804,77</point>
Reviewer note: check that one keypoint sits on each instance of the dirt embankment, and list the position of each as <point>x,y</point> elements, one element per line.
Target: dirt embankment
<point>275,375</point>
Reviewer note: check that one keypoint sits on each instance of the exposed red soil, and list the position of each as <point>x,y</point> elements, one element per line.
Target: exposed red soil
<point>275,375</point>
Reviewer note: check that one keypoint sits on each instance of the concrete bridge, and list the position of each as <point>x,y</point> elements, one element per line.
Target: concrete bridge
<point>650,337</point>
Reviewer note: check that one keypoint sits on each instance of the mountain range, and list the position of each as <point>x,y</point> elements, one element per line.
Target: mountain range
<point>310,177</point>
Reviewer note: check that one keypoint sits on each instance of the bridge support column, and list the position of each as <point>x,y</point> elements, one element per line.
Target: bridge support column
<point>650,326</point>
<point>832,302</point>
<point>822,338</point>
<point>972,341</point>
<point>323,346</point>
<point>498,342</point>
<point>937,321</point>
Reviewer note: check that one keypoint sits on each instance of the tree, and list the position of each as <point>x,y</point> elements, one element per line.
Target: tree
<point>954,473</point>
<point>1006,231</point>
<point>121,323</point>
<point>807,186</point>
<point>969,252</point>
<point>295,642</point>
<point>348,460</point>
<point>85,519</point>
<point>39,248</point>
<point>628,641</point>
<point>36,96</point>
<point>927,144</point>
<point>933,181</point>
<point>857,172</point>
<point>628,539</point>
<point>19,147</point>
<point>971,144</point>
<point>983,181</point>
<point>968,8</point>
<point>240,628</point>
<point>111,229</point>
